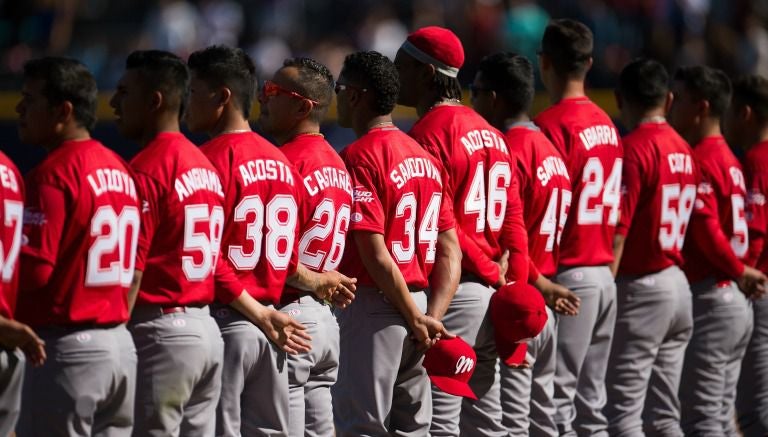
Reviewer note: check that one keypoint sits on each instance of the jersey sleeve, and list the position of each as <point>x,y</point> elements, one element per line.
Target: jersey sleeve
<point>514,235</point>
<point>367,210</point>
<point>150,194</point>
<point>631,186</point>
<point>228,286</point>
<point>757,212</point>
<point>45,212</point>
<point>533,271</point>
<point>476,260</point>
<point>447,219</point>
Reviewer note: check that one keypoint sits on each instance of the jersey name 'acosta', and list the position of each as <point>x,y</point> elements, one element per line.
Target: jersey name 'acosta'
<point>196,179</point>
<point>478,139</point>
<point>327,177</point>
<point>105,180</point>
<point>257,170</point>
<point>411,168</point>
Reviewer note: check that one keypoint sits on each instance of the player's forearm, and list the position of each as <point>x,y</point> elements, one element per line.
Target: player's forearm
<point>474,259</point>
<point>304,279</point>
<point>133,291</point>
<point>618,251</point>
<point>712,243</point>
<point>36,274</point>
<point>250,308</point>
<point>445,274</point>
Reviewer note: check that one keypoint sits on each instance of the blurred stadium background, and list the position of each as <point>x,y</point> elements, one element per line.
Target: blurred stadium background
<point>728,34</point>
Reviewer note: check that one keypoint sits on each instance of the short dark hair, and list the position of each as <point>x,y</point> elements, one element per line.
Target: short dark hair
<point>378,74</point>
<point>706,83</point>
<point>164,71</point>
<point>221,66</point>
<point>315,82</point>
<point>752,90</point>
<point>511,76</point>
<point>67,80</point>
<point>644,83</point>
<point>568,44</point>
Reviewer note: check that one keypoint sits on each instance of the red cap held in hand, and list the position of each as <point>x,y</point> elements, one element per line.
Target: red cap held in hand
<point>450,364</point>
<point>518,313</point>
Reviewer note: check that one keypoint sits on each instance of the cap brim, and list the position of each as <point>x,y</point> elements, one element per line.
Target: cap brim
<point>453,387</point>
<point>517,356</point>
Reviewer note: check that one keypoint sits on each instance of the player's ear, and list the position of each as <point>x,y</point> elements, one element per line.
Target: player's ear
<point>305,108</point>
<point>746,113</point>
<point>427,72</point>
<point>224,96</point>
<point>65,111</point>
<point>156,100</point>
<point>703,108</point>
<point>668,102</point>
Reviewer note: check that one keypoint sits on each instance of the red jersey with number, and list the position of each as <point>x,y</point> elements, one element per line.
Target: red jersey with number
<point>262,209</point>
<point>756,174</point>
<point>399,192</point>
<point>12,210</point>
<point>717,237</point>
<point>546,188</point>
<point>326,207</point>
<point>658,192</point>
<point>486,198</point>
<point>591,148</point>
<point>182,222</point>
<point>81,216</point>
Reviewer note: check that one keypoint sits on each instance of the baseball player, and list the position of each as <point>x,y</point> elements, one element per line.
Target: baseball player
<point>502,92</point>
<point>324,218</point>
<point>653,320</point>
<point>261,207</point>
<point>81,225</point>
<point>486,205</point>
<point>745,125</point>
<point>16,338</point>
<point>401,241</point>
<point>591,148</point>
<point>717,241</point>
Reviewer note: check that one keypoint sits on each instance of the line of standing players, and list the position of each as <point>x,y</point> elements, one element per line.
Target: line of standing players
<point>192,291</point>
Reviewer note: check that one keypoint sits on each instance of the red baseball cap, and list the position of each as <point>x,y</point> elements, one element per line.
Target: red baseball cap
<point>518,313</point>
<point>437,46</point>
<point>450,364</point>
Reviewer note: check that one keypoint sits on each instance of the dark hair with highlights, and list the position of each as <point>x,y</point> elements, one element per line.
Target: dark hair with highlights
<point>753,91</point>
<point>708,84</point>
<point>510,76</point>
<point>378,74</point>
<point>221,66</point>
<point>163,71</point>
<point>644,83</point>
<point>568,44</point>
<point>315,82</point>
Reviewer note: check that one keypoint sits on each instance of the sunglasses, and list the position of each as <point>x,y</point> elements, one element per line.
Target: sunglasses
<point>271,89</point>
<point>342,86</point>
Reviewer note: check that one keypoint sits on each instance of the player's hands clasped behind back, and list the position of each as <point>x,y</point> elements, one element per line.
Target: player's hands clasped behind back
<point>287,333</point>
<point>559,298</point>
<point>503,263</point>
<point>336,288</point>
<point>18,335</point>
<point>427,331</point>
<point>753,283</point>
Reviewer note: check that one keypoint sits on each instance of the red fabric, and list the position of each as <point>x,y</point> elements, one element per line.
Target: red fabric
<point>72,214</point>
<point>387,169</point>
<point>440,43</point>
<point>518,314</point>
<point>756,173</point>
<point>450,364</point>
<point>472,150</point>
<point>254,172</point>
<point>12,213</point>
<point>546,188</point>
<point>714,245</point>
<point>591,148</point>
<point>326,209</point>
<point>658,192</point>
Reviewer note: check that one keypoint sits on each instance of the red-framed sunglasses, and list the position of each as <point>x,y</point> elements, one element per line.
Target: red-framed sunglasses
<point>271,89</point>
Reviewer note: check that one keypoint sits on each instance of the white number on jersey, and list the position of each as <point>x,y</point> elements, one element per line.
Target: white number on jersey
<point>490,208</point>
<point>207,241</point>
<point>551,224</point>
<point>280,216</point>
<point>326,220</point>
<point>609,190</point>
<point>740,238</point>
<point>14,213</point>
<point>407,207</point>
<point>674,220</point>
<point>115,234</point>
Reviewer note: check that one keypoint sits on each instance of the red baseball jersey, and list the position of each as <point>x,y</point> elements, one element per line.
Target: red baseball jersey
<point>486,196</point>
<point>326,206</point>
<point>591,148</point>
<point>12,211</point>
<point>658,192</point>
<point>546,188</point>
<point>756,173</point>
<point>718,234</point>
<point>182,222</point>
<point>262,208</point>
<point>398,191</point>
<point>82,217</point>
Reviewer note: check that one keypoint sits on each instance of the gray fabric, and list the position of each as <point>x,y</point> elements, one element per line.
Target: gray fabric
<point>583,347</point>
<point>85,388</point>
<point>311,374</point>
<point>526,394</point>
<point>254,390</point>
<point>382,387</point>
<point>11,377</point>
<point>467,317</point>
<point>179,372</point>
<point>722,325</point>
<point>653,326</point>
<point>752,392</point>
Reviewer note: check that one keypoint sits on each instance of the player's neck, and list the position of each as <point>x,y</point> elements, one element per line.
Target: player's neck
<point>567,89</point>
<point>710,127</point>
<point>365,125</point>
<point>504,123</point>
<point>654,115</point>
<point>162,124</point>
<point>72,134</point>
<point>306,126</point>
<point>762,135</point>
<point>229,123</point>
<point>430,100</point>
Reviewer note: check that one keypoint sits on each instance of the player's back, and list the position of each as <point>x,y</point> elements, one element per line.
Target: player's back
<point>186,214</point>
<point>262,204</point>
<point>94,261</point>
<point>661,165</point>
<point>756,173</point>
<point>12,213</point>
<point>545,187</point>
<point>591,148</point>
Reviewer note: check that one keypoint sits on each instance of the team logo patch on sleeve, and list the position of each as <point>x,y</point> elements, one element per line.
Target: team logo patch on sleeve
<point>34,217</point>
<point>362,195</point>
<point>357,217</point>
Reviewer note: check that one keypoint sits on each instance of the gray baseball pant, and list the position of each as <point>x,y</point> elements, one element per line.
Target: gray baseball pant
<point>653,325</point>
<point>583,347</point>
<point>752,392</point>
<point>382,387</point>
<point>722,325</point>
<point>86,386</point>
<point>467,317</point>
<point>254,391</point>
<point>179,372</point>
<point>11,377</point>
<point>526,394</point>
<point>311,374</point>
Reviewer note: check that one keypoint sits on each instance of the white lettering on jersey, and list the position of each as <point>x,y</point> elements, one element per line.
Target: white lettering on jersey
<point>478,139</point>
<point>362,195</point>
<point>680,163</point>
<point>265,170</point>
<point>8,179</point>
<point>551,166</point>
<point>105,180</point>
<point>197,179</point>
<point>599,135</point>
<point>737,177</point>
<point>414,168</point>
<point>325,177</point>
